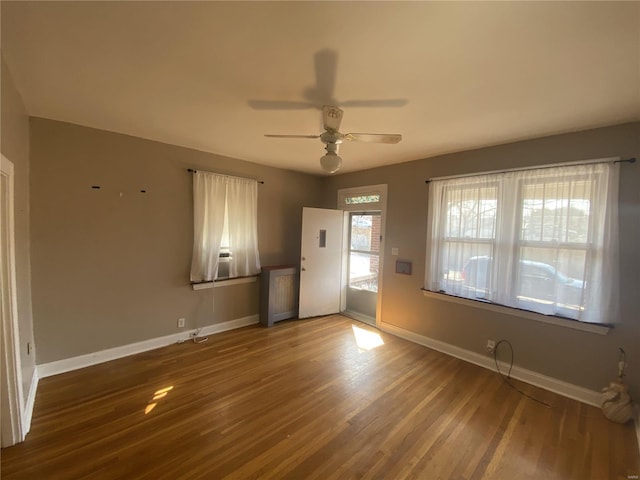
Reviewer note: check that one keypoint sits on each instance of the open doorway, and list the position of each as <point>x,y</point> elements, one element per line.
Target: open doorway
<point>364,211</point>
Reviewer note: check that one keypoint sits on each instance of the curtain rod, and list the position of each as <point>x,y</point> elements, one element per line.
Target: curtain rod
<point>193,170</point>
<point>555,165</point>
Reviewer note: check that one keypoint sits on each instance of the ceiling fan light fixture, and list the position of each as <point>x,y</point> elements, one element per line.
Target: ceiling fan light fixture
<point>331,162</point>
<point>333,138</point>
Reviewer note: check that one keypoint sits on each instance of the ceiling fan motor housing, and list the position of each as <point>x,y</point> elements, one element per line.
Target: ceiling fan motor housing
<point>331,137</point>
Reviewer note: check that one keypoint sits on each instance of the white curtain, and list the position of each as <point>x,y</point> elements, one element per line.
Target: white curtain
<point>209,197</point>
<point>242,204</point>
<point>214,194</point>
<point>543,240</point>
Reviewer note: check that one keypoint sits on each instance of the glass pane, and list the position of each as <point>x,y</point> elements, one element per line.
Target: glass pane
<point>557,211</point>
<point>467,269</point>
<point>362,199</point>
<point>365,232</point>
<point>471,212</point>
<point>363,271</point>
<point>551,280</point>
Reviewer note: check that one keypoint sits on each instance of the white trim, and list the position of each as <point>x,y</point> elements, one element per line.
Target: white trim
<point>361,317</point>
<point>590,397</point>
<point>514,312</point>
<point>31,400</point>
<point>12,401</point>
<point>637,420</point>
<point>536,167</point>
<point>223,283</point>
<point>229,325</point>
<point>82,361</point>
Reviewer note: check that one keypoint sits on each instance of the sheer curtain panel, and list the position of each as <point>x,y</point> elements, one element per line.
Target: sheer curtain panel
<point>543,240</point>
<point>242,204</point>
<point>220,201</point>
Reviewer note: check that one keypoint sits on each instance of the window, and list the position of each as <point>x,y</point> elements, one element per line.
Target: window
<point>225,227</point>
<point>357,199</point>
<point>543,240</point>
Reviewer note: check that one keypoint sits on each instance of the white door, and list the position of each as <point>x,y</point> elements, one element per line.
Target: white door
<point>321,262</point>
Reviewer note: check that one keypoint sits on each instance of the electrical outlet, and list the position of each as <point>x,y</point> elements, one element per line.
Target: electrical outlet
<point>491,346</point>
<point>193,334</point>
<point>181,323</point>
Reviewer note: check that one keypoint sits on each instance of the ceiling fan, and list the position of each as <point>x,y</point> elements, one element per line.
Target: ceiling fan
<point>332,138</point>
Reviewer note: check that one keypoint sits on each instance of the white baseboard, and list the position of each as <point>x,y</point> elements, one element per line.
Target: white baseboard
<point>31,399</point>
<point>584,395</point>
<point>637,420</point>
<point>82,361</point>
<point>230,325</point>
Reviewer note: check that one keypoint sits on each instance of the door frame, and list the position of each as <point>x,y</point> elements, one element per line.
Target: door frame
<point>347,208</point>
<point>12,401</point>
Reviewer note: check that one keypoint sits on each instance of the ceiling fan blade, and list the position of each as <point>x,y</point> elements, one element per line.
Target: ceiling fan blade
<point>292,136</point>
<point>389,102</point>
<point>331,118</point>
<point>373,137</point>
<point>279,105</point>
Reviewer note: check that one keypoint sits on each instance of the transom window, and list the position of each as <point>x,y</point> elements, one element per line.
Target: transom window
<point>357,199</point>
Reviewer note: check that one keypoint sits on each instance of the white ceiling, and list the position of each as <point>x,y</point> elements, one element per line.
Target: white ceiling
<point>472,74</point>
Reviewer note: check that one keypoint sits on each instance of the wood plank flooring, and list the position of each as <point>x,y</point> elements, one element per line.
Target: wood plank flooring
<point>302,400</point>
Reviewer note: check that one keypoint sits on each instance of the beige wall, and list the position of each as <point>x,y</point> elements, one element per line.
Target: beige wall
<point>581,358</point>
<point>111,266</point>
<point>15,147</point>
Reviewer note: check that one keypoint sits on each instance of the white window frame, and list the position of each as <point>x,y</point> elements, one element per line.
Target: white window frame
<point>476,239</point>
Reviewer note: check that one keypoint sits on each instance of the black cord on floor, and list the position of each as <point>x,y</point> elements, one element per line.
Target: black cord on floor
<point>507,378</point>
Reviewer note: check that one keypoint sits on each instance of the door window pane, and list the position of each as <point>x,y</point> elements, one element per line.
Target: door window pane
<point>363,271</point>
<point>365,233</point>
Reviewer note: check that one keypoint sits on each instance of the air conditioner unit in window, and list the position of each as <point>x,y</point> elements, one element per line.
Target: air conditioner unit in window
<point>223,265</point>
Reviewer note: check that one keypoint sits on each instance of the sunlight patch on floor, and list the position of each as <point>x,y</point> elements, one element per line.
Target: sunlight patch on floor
<point>158,394</point>
<point>366,339</point>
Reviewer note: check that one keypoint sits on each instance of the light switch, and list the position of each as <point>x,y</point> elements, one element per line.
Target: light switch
<point>394,251</point>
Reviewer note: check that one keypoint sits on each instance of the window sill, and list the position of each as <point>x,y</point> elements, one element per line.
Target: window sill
<point>562,322</point>
<point>223,283</point>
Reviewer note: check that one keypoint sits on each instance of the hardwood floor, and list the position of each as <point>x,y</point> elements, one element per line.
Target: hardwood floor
<point>301,400</point>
